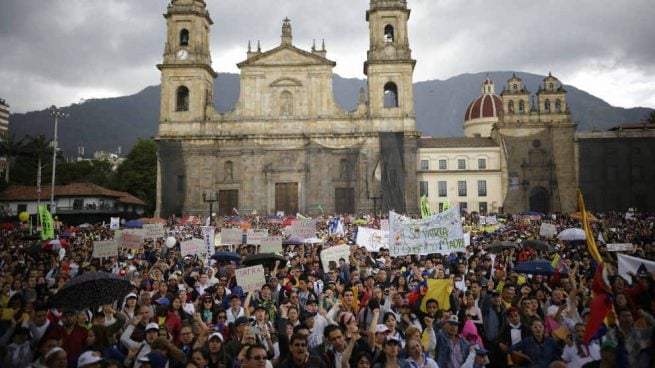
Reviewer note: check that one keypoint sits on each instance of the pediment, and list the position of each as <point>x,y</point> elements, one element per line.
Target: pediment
<point>286,82</point>
<point>286,55</point>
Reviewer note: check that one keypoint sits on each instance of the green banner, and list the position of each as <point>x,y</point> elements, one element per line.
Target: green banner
<point>426,211</point>
<point>47,226</point>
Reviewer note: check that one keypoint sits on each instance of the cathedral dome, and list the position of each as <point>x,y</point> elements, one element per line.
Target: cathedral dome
<point>483,112</point>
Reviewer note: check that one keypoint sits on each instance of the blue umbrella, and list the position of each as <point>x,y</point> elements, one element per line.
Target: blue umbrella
<point>134,224</point>
<point>226,256</point>
<point>538,267</point>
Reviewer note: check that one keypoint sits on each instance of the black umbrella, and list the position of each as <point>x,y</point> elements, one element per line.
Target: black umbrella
<point>91,289</point>
<point>263,258</point>
<point>226,256</point>
<point>538,267</point>
<point>538,245</point>
<point>500,246</point>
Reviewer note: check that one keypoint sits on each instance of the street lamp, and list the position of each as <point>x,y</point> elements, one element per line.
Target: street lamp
<point>210,197</point>
<point>57,114</point>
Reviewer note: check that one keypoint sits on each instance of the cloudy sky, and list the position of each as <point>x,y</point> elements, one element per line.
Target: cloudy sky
<point>62,51</point>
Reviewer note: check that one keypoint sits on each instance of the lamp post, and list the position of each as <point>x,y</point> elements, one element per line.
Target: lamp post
<point>57,114</point>
<point>210,197</point>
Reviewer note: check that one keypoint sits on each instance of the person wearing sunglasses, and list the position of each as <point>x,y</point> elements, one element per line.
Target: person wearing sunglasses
<point>300,356</point>
<point>256,357</point>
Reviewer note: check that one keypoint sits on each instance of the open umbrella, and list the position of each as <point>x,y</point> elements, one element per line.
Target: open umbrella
<point>313,241</point>
<point>55,244</point>
<point>263,258</point>
<point>572,235</point>
<point>85,225</point>
<point>538,245</point>
<point>500,246</point>
<point>273,219</point>
<point>538,267</point>
<point>289,221</point>
<point>91,289</point>
<point>292,241</point>
<point>134,224</point>
<point>578,216</point>
<point>226,256</point>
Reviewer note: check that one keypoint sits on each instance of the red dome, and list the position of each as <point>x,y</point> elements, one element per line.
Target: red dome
<point>485,106</point>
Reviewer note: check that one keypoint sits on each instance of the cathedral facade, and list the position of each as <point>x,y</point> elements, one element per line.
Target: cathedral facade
<point>286,145</point>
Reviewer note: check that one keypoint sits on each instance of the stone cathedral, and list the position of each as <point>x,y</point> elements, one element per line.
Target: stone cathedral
<point>286,145</point>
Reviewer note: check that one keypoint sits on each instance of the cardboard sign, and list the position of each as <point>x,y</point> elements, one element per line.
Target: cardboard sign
<point>334,254</point>
<point>255,236</point>
<point>105,248</point>
<point>620,247</point>
<point>441,233</point>
<point>372,239</point>
<point>250,277</point>
<point>153,231</point>
<point>304,229</point>
<point>271,244</point>
<point>129,238</point>
<point>115,223</point>
<point>209,239</point>
<point>232,236</point>
<point>193,247</point>
<point>547,230</point>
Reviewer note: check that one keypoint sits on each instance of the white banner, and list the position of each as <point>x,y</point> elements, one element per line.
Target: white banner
<point>372,239</point>
<point>250,277</point>
<point>232,236</point>
<point>334,254</point>
<point>547,230</point>
<point>632,264</point>
<point>114,223</point>
<point>304,229</point>
<point>193,247</point>
<point>619,247</point>
<point>255,236</point>
<point>105,248</point>
<point>129,238</point>
<point>384,224</point>
<point>209,239</point>
<point>440,233</point>
<point>153,231</point>
<point>271,244</point>
<point>467,239</point>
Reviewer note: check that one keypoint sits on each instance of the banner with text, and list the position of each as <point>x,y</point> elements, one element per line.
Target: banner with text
<point>250,277</point>
<point>193,247</point>
<point>440,233</point>
<point>372,239</point>
<point>547,230</point>
<point>105,248</point>
<point>271,244</point>
<point>232,236</point>
<point>303,229</point>
<point>153,231</point>
<point>255,236</point>
<point>334,254</point>
<point>129,238</point>
<point>620,247</point>
<point>384,224</point>
<point>209,239</point>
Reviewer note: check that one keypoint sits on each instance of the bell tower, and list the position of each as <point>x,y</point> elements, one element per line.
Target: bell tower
<point>187,78</point>
<point>389,65</point>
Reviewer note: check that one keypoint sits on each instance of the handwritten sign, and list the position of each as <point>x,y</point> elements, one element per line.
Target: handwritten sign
<point>250,277</point>
<point>440,233</point>
<point>547,230</point>
<point>232,236</point>
<point>130,238</point>
<point>153,231</point>
<point>105,248</point>
<point>334,254</point>
<point>304,229</point>
<point>255,236</point>
<point>620,247</point>
<point>209,239</point>
<point>271,244</point>
<point>193,247</point>
<point>372,239</point>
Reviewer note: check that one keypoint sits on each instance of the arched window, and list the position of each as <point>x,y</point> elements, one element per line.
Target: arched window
<point>286,103</point>
<point>390,95</point>
<point>388,33</point>
<point>558,106</point>
<point>510,106</point>
<point>521,107</point>
<point>182,100</point>
<point>547,105</point>
<point>184,37</point>
<point>515,87</point>
<point>550,86</point>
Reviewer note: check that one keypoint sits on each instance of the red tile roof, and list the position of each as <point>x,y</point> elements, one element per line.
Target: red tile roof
<point>26,193</point>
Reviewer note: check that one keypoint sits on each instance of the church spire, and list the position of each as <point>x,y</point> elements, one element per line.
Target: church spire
<point>286,32</point>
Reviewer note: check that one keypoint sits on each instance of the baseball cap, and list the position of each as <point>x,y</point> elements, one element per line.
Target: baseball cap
<point>155,358</point>
<point>163,301</point>
<point>88,357</point>
<point>453,319</point>
<point>241,321</point>
<point>216,334</point>
<point>131,295</point>
<point>381,328</point>
<point>391,341</point>
<point>152,326</point>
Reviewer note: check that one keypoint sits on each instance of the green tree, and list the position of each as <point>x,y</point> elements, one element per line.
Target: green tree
<point>10,148</point>
<point>36,151</point>
<point>95,171</point>
<point>137,175</point>
<point>649,118</point>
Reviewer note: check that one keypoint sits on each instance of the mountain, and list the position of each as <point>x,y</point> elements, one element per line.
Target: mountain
<point>109,123</point>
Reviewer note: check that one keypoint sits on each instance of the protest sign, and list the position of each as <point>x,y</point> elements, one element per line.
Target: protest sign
<point>153,231</point>
<point>255,236</point>
<point>384,225</point>
<point>209,239</point>
<point>129,238</point>
<point>547,230</point>
<point>193,247</point>
<point>467,239</point>
<point>304,229</point>
<point>440,233</point>
<point>334,254</point>
<point>372,239</point>
<point>105,248</point>
<point>232,236</point>
<point>619,247</point>
<point>271,244</point>
<point>114,223</point>
<point>250,278</point>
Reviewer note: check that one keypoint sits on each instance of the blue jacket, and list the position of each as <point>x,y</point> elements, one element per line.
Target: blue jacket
<point>444,350</point>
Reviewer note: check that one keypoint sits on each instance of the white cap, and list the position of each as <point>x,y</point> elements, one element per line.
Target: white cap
<point>131,295</point>
<point>89,357</point>
<point>381,328</point>
<point>216,334</point>
<point>152,326</point>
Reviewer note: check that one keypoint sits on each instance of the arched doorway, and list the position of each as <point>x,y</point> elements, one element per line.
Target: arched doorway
<point>539,200</point>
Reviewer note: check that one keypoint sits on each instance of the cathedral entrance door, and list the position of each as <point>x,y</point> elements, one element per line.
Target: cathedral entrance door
<point>227,200</point>
<point>286,198</point>
<point>344,200</point>
<point>539,200</point>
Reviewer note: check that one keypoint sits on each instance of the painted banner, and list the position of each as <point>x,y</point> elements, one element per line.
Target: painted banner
<point>153,231</point>
<point>250,277</point>
<point>304,229</point>
<point>105,248</point>
<point>620,247</point>
<point>547,230</point>
<point>209,239</point>
<point>334,254</point>
<point>193,247</point>
<point>372,239</point>
<point>440,233</point>
<point>114,223</point>
<point>47,225</point>
<point>271,244</point>
<point>255,236</point>
<point>232,236</point>
<point>129,238</point>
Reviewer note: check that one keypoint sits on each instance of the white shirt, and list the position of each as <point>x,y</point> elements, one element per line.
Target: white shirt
<point>573,360</point>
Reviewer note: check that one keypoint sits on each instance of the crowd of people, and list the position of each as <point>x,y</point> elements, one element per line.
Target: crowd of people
<point>369,310</point>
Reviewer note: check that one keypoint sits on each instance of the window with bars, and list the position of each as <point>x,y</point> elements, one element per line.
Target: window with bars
<point>461,164</point>
<point>482,163</point>
<point>425,165</point>
<point>443,165</point>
